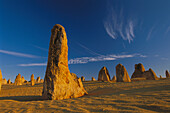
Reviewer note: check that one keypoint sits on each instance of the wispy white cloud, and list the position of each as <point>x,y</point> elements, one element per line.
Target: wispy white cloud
<point>18,54</point>
<point>89,50</point>
<point>44,49</point>
<point>116,26</point>
<point>150,33</point>
<point>33,64</point>
<point>111,57</point>
<point>84,60</point>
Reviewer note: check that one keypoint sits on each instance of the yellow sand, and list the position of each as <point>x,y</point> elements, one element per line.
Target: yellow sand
<point>142,96</point>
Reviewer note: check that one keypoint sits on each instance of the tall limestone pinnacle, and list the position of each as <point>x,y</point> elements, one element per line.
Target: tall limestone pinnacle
<point>0,79</point>
<point>58,82</point>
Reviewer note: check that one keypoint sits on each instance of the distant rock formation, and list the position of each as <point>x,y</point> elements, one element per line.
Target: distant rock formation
<point>160,76</point>
<point>4,81</point>
<point>18,80</point>
<point>93,79</point>
<point>9,81</point>
<point>41,81</point>
<point>58,82</point>
<point>121,74</point>
<point>22,79</point>
<point>32,80</point>
<point>104,74</point>
<point>82,78</point>
<point>167,74</point>
<point>114,79</point>
<point>0,79</point>
<point>38,79</point>
<point>141,73</point>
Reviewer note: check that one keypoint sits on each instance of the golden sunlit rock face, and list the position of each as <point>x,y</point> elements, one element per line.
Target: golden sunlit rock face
<point>121,74</point>
<point>32,80</point>
<point>38,79</point>
<point>58,82</point>
<point>104,75</point>
<point>141,73</point>
<point>0,79</point>
<point>18,80</point>
<point>93,79</point>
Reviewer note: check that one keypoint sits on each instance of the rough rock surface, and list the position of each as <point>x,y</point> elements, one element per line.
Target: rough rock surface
<point>93,79</point>
<point>38,79</point>
<point>22,79</point>
<point>141,73</point>
<point>167,74</point>
<point>104,75</point>
<point>4,81</point>
<point>139,70</point>
<point>58,82</point>
<point>82,78</point>
<point>18,80</point>
<point>32,80</point>
<point>9,81</point>
<point>74,75</point>
<point>114,79</point>
<point>121,74</point>
<point>160,76</point>
<point>0,79</point>
<point>150,75</point>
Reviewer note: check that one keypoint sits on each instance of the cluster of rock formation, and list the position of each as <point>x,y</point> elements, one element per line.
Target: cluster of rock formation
<point>59,82</point>
<point>141,73</point>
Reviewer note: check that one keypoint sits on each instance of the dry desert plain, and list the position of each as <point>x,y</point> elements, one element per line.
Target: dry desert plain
<point>149,96</point>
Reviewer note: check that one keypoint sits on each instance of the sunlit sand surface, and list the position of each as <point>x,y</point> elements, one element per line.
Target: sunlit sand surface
<point>142,96</point>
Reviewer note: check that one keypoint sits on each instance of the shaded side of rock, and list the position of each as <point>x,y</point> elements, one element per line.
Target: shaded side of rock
<point>38,79</point>
<point>22,79</point>
<point>93,79</point>
<point>139,70</point>
<point>104,74</point>
<point>9,81</point>
<point>82,78</point>
<point>114,79</point>
<point>167,74</point>
<point>121,74</point>
<point>150,75</point>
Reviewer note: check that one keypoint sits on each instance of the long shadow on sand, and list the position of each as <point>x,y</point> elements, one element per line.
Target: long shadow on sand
<point>23,98</point>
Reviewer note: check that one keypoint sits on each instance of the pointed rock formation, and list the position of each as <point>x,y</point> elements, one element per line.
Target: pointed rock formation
<point>38,79</point>
<point>32,80</point>
<point>114,79</point>
<point>104,74</point>
<point>0,79</point>
<point>22,79</point>
<point>121,74</point>
<point>167,74</point>
<point>41,81</point>
<point>58,82</point>
<point>4,81</point>
<point>93,79</point>
<point>18,80</point>
<point>141,73</point>
<point>160,76</point>
<point>9,81</point>
<point>82,78</point>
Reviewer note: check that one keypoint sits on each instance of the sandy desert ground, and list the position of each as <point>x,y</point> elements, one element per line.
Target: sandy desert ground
<point>141,96</point>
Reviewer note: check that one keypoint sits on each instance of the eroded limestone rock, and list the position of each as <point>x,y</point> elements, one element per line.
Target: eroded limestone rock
<point>38,79</point>
<point>121,74</point>
<point>104,75</point>
<point>93,79</point>
<point>0,79</point>
<point>18,80</point>
<point>32,80</point>
<point>167,74</point>
<point>58,82</point>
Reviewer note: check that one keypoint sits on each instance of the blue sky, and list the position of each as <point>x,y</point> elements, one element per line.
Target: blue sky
<point>100,33</point>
